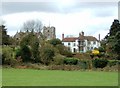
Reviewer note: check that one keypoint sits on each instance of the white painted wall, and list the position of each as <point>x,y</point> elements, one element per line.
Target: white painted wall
<point>91,45</point>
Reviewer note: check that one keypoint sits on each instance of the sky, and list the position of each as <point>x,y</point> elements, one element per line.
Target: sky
<point>67,16</point>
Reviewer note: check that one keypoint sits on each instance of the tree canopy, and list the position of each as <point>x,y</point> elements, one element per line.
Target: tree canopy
<point>112,40</point>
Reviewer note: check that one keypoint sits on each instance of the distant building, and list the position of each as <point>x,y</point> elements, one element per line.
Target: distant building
<point>81,43</point>
<point>49,32</point>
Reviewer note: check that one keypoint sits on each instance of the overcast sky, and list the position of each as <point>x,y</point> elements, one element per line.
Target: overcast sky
<point>67,16</point>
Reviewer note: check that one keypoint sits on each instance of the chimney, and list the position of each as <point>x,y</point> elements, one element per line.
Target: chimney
<point>79,34</point>
<point>62,36</point>
<point>99,37</point>
<point>82,33</point>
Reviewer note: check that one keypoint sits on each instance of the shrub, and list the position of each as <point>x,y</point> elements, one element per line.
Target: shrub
<point>25,53</point>
<point>113,63</point>
<point>17,52</point>
<point>101,49</point>
<point>84,64</point>
<point>55,42</point>
<point>100,63</point>
<point>47,54</point>
<point>58,59</point>
<point>7,55</point>
<point>71,61</point>
<point>84,56</point>
<point>0,55</point>
<point>64,50</point>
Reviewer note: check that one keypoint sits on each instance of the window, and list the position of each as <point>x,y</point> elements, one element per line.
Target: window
<point>88,48</point>
<point>68,43</point>
<point>89,42</point>
<point>74,44</point>
<point>91,48</point>
<point>94,42</point>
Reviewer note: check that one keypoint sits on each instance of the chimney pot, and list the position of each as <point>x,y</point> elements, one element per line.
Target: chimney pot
<point>62,36</point>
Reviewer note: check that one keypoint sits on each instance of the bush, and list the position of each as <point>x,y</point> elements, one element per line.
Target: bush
<point>7,55</point>
<point>71,61</point>
<point>64,50</point>
<point>84,64</point>
<point>47,54</point>
<point>113,63</point>
<point>26,53</point>
<point>59,59</point>
<point>17,52</point>
<point>100,63</point>
<point>0,55</point>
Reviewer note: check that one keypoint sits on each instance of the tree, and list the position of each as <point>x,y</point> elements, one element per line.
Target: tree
<point>47,54</point>
<point>63,50</point>
<point>5,37</point>
<point>116,47</point>
<point>55,42</point>
<point>115,27</point>
<point>32,25</point>
<point>112,40</point>
<point>32,41</point>
<point>25,53</point>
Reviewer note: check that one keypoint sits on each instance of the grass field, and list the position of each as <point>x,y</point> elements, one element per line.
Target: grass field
<point>0,76</point>
<point>30,77</point>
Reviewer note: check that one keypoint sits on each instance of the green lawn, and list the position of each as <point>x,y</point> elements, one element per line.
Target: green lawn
<point>0,76</point>
<point>29,77</point>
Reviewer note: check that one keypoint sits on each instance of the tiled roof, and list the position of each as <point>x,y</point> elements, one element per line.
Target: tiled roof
<point>70,39</point>
<point>90,38</point>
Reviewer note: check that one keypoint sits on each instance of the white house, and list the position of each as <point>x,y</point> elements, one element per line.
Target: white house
<point>81,43</point>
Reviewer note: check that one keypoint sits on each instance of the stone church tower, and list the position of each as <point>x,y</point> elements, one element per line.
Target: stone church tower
<point>49,32</point>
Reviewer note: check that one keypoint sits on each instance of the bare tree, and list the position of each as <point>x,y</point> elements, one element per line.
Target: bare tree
<point>32,25</point>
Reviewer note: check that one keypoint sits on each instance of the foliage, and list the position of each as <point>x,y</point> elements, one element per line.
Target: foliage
<point>84,64</point>
<point>63,50</point>
<point>47,53</point>
<point>71,61</point>
<point>115,27</point>
<point>113,62</point>
<point>25,53</point>
<point>55,42</point>
<point>35,49</point>
<point>8,56</point>
<point>58,59</point>
<point>101,49</point>
<point>100,63</point>
<point>116,47</point>
<point>17,52</point>
<point>5,38</point>
<point>112,40</point>
<point>95,52</point>
<point>32,41</point>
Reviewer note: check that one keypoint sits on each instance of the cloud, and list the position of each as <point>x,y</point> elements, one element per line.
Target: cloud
<point>91,17</point>
<point>57,6</point>
<point>70,24</point>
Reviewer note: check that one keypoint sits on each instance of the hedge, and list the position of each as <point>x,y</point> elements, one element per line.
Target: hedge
<point>70,61</point>
<point>100,63</point>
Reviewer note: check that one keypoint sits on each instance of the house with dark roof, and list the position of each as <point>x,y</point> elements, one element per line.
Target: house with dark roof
<point>81,43</point>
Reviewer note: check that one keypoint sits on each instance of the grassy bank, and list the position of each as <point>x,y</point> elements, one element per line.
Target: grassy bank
<point>30,77</point>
